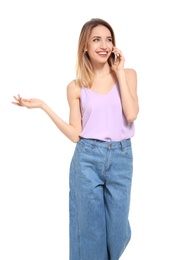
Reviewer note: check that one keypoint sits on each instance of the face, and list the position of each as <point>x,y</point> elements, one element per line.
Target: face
<point>100,44</point>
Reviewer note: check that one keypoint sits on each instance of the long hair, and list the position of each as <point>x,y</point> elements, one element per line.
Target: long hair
<point>84,72</point>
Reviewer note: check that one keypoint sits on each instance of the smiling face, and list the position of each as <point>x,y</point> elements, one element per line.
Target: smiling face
<point>100,44</point>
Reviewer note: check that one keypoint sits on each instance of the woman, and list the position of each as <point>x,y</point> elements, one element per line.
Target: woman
<point>103,106</point>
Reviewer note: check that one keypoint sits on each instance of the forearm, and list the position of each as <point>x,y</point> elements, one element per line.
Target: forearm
<point>68,130</point>
<point>129,102</point>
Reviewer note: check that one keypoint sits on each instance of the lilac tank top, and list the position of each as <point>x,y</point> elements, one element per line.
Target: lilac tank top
<point>102,116</point>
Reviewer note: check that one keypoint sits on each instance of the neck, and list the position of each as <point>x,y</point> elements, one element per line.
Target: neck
<point>102,70</point>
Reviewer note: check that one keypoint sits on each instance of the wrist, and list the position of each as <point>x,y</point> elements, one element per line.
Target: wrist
<point>43,105</point>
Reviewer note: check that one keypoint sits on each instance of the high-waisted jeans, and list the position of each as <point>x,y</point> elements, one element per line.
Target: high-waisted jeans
<point>100,186</point>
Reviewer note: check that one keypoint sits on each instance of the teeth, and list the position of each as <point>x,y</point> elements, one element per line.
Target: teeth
<point>103,52</point>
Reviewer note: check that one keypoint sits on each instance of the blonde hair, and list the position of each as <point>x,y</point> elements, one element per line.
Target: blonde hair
<point>84,72</point>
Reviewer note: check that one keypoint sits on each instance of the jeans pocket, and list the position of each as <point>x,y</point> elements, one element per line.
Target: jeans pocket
<point>127,151</point>
<point>84,146</point>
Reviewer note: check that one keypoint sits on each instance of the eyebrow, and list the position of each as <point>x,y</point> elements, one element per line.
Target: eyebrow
<point>108,37</point>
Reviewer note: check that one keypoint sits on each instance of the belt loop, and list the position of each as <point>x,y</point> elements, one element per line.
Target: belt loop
<point>122,145</point>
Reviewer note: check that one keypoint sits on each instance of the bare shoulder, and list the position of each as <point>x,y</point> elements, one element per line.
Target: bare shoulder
<point>131,77</point>
<point>73,90</point>
<point>130,73</point>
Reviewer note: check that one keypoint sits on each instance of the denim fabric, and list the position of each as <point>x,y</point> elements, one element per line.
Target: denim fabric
<point>100,186</point>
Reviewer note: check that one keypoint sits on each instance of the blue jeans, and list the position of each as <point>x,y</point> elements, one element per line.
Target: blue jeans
<point>100,186</point>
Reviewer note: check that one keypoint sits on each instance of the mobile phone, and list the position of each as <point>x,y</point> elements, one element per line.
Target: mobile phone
<point>115,58</point>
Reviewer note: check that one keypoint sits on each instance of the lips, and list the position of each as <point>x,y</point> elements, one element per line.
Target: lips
<point>102,52</point>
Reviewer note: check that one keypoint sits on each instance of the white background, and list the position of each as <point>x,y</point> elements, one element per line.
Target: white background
<point>38,46</point>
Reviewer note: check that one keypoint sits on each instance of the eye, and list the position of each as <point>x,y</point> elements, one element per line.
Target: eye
<point>96,39</point>
<point>109,39</point>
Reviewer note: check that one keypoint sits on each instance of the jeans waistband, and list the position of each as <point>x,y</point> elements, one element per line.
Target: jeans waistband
<point>106,145</point>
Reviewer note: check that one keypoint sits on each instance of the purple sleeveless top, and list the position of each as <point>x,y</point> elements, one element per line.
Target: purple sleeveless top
<point>102,116</point>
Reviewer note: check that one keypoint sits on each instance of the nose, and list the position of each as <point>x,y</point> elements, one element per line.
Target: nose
<point>103,45</point>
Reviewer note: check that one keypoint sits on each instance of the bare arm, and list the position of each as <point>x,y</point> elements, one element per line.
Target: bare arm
<point>127,79</point>
<point>72,129</point>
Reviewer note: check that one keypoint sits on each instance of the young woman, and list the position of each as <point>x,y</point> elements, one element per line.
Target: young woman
<point>103,106</point>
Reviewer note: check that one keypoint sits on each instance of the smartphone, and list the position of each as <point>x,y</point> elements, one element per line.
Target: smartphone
<point>114,56</point>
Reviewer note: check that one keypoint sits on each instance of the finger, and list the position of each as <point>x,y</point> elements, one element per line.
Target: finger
<point>17,104</point>
<point>118,52</point>
<point>15,98</point>
<point>18,101</point>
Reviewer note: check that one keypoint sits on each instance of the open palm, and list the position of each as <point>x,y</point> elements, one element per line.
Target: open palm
<point>29,103</point>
